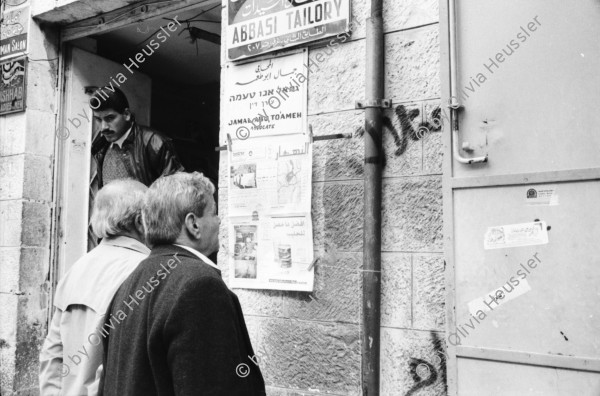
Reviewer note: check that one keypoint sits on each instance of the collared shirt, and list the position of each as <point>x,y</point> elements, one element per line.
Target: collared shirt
<point>71,357</point>
<point>199,255</point>
<point>122,138</point>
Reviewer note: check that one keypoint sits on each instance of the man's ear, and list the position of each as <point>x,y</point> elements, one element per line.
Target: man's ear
<point>139,224</point>
<point>127,114</point>
<point>192,225</point>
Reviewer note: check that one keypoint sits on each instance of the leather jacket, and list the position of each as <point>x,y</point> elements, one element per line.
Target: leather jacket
<point>153,154</point>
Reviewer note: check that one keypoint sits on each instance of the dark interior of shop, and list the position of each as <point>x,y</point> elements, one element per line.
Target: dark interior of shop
<point>185,74</point>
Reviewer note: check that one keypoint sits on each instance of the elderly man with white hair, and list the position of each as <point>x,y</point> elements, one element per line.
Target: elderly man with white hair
<point>72,352</point>
<point>174,328</point>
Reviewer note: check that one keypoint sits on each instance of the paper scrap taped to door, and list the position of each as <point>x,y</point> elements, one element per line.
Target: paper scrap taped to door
<point>542,195</point>
<point>270,226</point>
<point>498,297</point>
<point>514,235</point>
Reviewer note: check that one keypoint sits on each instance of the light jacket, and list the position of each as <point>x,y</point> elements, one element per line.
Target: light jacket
<point>71,357</point>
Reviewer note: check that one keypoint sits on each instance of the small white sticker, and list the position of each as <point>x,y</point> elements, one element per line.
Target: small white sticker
<point>499,296</point>
<point>513,235</point>
<point>542,195</point>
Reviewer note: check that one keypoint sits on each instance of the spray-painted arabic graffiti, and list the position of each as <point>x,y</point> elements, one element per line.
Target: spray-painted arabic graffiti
<point>426,373</point>
<point>406,120</point>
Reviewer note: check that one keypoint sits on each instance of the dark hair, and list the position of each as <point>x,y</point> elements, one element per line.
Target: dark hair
<point>109,98</point>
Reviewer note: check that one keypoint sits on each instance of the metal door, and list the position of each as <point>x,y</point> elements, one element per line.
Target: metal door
<point>521,91</point>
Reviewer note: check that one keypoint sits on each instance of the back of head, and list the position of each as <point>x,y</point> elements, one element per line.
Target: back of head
<point>108,98</point>
<point>116,207</point>
<point>169,200</point>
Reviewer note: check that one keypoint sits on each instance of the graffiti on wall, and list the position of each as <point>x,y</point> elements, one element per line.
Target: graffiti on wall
<point>408,131</point>
<point>425,373</point>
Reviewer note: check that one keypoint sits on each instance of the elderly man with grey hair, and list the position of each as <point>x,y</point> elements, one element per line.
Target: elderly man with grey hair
<point>72,352</point>
<point>174,328</point>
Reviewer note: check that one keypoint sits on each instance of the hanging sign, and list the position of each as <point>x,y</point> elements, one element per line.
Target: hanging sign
<point>267,97</point>
<point>13,32</point>
<point>258,26</point>
<point>12,85</point>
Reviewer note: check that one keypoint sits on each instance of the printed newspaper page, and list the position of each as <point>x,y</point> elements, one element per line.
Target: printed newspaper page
<point>269,213</point>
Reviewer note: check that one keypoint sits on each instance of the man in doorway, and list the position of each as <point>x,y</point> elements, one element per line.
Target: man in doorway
<point>72,352</point>
<point>173,327</point>
<point>124,149</point>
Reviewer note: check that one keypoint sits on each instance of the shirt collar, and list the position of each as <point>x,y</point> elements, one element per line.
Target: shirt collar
<point>199,255</point>
<point>127,243</point>
<point>122,138</point>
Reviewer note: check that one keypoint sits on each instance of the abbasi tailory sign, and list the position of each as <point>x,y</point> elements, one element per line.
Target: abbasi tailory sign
<point>258,26</point>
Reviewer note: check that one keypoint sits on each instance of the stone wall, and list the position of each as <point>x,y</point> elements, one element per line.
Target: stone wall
<point>310,342</point>
<point>26,162</point>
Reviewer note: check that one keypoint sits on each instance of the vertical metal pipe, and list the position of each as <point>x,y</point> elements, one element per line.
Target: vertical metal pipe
<point>371,274</point>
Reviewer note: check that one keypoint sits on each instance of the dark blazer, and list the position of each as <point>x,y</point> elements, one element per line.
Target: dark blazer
<point>174,328</point>
<point>153,154</point>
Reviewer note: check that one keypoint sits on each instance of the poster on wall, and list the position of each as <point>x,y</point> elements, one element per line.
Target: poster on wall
<point>267,97</point>
<point>13,31</point>
<point>258,26</point>
<point>270,176</point>
<point>12,85</point>
<point>270,227</point>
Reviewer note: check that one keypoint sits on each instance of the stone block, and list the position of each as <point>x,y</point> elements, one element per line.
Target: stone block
<point>396,290</point>
<point>401,140</point>
<point>307,356</point>
<point>435,116</point>
<point>8,313</point>
<point>7,362</point>
<point>9,270</point>
<point>398,15</point>
<point>412,65</point>
<point>12,169</point>
<point>412,214</point>
<point>10,222</point>
<point>35,263</point>
<point>337,292</point>
<point>261,302</point>
<point>429,292</point>
<point>36,224</point>
<point>41,86</point>
<point>41,133</point>
<point>12,137</point>
<point>359,10</point>
<point>338,159</point>
<point>336,78</point>
<point>37,178</point>
<point>31,332</point>
<point>433,145</point>
<point>410,360</point>
<point>43,40</point>
<point>433,154</point>
<point>337,214</point>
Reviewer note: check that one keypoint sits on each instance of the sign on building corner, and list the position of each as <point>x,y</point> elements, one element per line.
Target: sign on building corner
<point>259,26</point>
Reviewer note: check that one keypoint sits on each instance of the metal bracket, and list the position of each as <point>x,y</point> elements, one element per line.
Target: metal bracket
<point>379,103</point>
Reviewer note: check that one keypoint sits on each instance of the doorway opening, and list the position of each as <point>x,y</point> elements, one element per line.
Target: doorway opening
<point>168,66</point>
<point>184,70</point>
